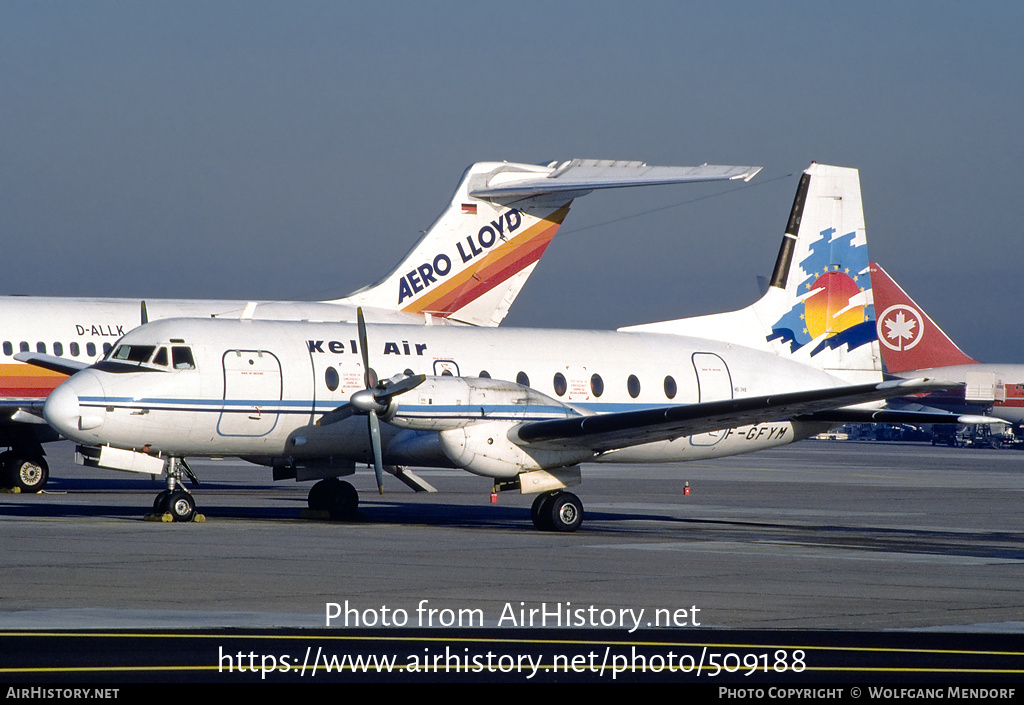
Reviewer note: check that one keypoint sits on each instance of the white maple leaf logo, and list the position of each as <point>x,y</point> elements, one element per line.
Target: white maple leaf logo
<point>900,327</point>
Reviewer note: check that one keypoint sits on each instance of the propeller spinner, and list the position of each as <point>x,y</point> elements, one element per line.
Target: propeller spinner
<point>372,401</point>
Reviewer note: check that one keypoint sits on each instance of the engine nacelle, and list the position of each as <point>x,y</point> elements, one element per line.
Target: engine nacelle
<point>444,403</point>
<point>485,449</point>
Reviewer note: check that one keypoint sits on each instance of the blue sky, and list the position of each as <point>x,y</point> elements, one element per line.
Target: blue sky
<point>295,150</point>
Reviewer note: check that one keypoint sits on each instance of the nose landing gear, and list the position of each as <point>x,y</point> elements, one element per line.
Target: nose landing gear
<point>176,503</point>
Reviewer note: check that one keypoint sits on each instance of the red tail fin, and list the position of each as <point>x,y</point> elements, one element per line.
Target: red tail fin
<point>907,336</point>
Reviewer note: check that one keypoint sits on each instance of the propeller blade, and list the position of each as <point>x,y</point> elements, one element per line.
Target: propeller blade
<point>336,415</point>
<point>361,325</point>
<point>399,387</point>
<point>378,462</point>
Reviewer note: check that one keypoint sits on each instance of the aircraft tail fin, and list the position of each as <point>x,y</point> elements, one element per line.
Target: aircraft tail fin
<point>909,338</point>
<point>818,308</point>
<point>476,257</point>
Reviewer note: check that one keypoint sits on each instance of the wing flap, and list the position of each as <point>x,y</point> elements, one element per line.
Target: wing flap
<point>604,432</point>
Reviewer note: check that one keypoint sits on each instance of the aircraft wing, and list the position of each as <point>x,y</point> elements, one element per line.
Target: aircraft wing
<point>585,175</point>
<point>52,362</point>
<point>604,432</point>
<point>895,416</point>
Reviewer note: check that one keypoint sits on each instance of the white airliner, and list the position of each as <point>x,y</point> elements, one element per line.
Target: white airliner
<point>913,345</point>
<point>468,268</point>
<point>522,407</point>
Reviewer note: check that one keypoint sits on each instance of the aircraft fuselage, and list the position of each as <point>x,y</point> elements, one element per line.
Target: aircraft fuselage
<point>257,388</point>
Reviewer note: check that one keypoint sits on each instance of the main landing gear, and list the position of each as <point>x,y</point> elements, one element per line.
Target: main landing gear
<point>336,497</point>
<point>557,511</point>
<point>176,503</point>
<point>26,473</point>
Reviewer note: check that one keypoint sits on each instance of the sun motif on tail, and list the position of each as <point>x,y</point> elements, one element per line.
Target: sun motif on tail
<point>832,303</point>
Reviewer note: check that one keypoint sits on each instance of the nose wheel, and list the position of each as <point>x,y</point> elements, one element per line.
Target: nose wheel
<point>557,511</point>
<point>176,503</point>
<point>179,504</point>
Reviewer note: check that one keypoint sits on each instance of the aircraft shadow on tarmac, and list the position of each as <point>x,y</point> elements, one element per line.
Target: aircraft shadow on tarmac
<point>435,512</point>
<point>129,498</point>
<point>63,498</point>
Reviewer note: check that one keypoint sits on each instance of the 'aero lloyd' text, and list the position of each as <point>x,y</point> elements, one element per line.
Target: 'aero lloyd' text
<point>428,273</point>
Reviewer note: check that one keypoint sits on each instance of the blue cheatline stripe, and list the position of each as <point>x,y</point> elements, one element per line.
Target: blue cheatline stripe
<point>307,406</point>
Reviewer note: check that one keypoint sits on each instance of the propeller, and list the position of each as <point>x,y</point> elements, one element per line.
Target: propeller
<point>372,401</point>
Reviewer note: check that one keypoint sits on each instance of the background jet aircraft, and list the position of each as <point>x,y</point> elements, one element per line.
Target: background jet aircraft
<point>913,345</point>
<point>305,397</point>
<point>468,268</point>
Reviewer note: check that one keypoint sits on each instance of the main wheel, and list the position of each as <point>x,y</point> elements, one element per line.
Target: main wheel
<point>181,505</point>
<point>6,481</point>
<point>320,494</point>
<point>343,502</point>
<point>565,512</point>
<point>540,513</point>
<point>30,475</point>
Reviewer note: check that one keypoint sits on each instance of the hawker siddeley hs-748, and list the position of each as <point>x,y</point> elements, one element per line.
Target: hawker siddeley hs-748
<point>466,269</point>
<point>522,407</point>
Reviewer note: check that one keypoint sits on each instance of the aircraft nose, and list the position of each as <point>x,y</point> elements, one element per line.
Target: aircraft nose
<point>63,409</point>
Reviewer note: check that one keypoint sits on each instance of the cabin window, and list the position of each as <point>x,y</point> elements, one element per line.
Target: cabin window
<point>58,349</point>
<point>106,348</point>
<point>8,348</point>
<point>331,378</point>
<point>90,349</point>
<point>596,385</point>
<point>633,386</point>
<point>41,348</point>
<point>75,350</point>
<point>447,373</point>
<point>182,358</point>
<point>559,384</point>
<point>23,346</point>
<point>670,387</point>
<point>523,379</point>
<point>485,374</point>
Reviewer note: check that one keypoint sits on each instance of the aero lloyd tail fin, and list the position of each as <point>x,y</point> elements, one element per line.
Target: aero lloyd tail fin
<point>474,260</point>
<point>818,308</point>
<point>909,338</point>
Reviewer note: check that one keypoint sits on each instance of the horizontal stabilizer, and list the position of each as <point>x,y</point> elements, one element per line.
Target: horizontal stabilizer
<point>592,174</point>
<point>51,362</point>
<point>606,432</point>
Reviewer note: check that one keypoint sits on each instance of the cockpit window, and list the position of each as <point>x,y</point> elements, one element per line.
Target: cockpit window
<point>152,357</point>
<point>133,353</point>
<point>182,358</point>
